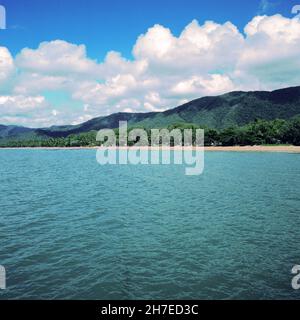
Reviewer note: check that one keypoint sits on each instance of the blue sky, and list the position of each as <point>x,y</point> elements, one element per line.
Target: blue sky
<point>104,25</point>
<point>64,61</point>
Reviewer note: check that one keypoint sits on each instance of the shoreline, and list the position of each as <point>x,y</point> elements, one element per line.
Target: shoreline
<point>274,148</point>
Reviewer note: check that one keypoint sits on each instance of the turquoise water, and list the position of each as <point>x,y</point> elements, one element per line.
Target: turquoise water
<point>70,228</point>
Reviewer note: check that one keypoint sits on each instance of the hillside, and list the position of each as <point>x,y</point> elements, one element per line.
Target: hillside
<point>218,112</point>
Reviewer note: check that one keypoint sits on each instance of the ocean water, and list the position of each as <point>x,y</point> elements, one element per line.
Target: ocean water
<point>72,229</point>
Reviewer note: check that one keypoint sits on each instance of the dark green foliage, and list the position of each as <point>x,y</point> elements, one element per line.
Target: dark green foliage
<point>257,132</point>
<point>229,119</point>
<point>229,110</point>
<point>229,136</point>
<point>291,132</point>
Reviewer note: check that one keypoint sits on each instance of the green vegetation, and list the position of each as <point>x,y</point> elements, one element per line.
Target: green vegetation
<point>258,132</point>
<point>235,118</point>
<point>228,111</point>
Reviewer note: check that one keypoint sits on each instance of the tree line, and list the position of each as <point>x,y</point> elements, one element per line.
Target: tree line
<point>258,132</point>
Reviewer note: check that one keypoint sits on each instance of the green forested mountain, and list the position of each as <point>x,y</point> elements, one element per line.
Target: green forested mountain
<point>218,112</point>
<point>7,131</point>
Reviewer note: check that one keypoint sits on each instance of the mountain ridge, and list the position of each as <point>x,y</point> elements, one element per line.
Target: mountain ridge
<point>234,108</point>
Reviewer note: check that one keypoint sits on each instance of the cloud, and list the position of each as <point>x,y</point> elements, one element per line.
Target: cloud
<point>199,47</point>
<point>13,104</point>
<point>56,58</point>
<point>213,84</point>
<point>166,70</point>
<point>6,65</point>
<point>271,52</point>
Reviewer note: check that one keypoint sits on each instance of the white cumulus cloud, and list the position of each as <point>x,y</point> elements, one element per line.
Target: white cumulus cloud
<point>165,71</point>
<point>6,65</point>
